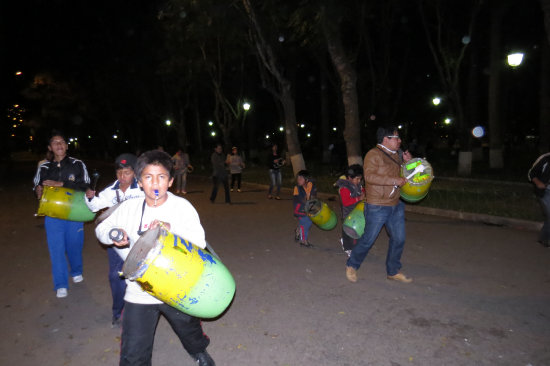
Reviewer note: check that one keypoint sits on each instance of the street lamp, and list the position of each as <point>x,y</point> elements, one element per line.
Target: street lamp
<point>246,106</point>
<point>436,101</point>
<point>515,59</point>
<point>168,122</point>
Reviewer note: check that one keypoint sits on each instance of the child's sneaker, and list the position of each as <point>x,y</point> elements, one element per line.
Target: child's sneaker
<point>61,292</point>
<point>78,278</point>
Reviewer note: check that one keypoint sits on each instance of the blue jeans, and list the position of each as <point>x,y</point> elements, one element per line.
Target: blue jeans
<point>118,284</point>
<point>275,180</point>
<point>65,242</point>
<point>375,218</point>
<point>545,202</point>
<point>304,224</point>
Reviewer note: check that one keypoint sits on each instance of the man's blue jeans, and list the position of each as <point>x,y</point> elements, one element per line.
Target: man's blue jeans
<point>545,202</point>
<point>375,218</point>
<point>275,181</point>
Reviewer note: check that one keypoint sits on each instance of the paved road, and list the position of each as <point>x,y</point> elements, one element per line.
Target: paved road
<point>480,294</point>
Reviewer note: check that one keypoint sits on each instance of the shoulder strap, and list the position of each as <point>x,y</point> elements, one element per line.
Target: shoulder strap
<point>388,155</point>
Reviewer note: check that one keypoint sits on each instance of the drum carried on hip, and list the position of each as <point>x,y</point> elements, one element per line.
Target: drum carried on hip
<point>64,203</point>
<point>354,223</point>
<point>180,274</point>
<point>320,214</point>
<point>419,174</point>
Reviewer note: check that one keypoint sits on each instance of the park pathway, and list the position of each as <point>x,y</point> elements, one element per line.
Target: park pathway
<point>480,296</point>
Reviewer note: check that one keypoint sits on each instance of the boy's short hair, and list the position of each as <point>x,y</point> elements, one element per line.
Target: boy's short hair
<point>304,174</point>
<point>154,157</point>
<point>384,131</point>
<point>354,170</point>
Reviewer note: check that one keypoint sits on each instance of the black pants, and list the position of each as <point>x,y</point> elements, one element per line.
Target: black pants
<point>139,323</point>
<point>216,182</point>
<point>236,177</point>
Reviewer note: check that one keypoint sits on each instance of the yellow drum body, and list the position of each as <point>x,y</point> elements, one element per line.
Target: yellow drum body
<point>64,203</point>
<point>419,184</point>
<point>354,223</point>
<point>320,214</point>
<point>180,274</point>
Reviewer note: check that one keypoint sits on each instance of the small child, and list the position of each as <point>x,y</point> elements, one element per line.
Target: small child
<point>142,310</point>
<point>304,190</point>
<point>351,192</point>
<point>124,188</point>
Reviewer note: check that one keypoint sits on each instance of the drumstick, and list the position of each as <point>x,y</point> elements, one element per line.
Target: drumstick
<point>418,169</point>
<point>95,178</point>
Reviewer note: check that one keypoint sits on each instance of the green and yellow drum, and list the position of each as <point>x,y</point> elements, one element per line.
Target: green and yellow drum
<point>354,223</point>
<point>320,214</point>
<point>419,174</point>
<point>64,203</point>
<point>180,274</point>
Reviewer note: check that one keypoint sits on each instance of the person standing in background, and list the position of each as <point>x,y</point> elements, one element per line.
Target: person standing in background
<point>182,165</point>
<point>236,166</point>
<point>219,174</point>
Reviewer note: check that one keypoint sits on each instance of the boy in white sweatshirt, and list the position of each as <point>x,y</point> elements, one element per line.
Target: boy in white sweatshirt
<point>134,217</point>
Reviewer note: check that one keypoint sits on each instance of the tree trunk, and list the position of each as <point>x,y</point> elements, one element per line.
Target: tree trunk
<point>348,86</point>
<point>325,128</point>
<point>284,89</point>
<point>496,160</point>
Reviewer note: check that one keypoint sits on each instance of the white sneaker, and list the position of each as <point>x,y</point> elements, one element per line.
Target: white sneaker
<point>78,278</point>
<point>61,292</point>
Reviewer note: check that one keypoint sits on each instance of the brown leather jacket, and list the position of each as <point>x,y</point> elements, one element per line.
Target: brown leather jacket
<point>380,175</point>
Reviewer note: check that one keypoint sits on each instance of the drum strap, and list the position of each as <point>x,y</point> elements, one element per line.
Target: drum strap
<point>388,155</point>
<point>141,219</point>
<point>117,196</point>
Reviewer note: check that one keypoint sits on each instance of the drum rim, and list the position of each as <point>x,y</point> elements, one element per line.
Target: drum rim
<point>137,262</point>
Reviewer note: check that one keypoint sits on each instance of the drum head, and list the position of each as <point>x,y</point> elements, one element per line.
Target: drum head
<point>135,263</point>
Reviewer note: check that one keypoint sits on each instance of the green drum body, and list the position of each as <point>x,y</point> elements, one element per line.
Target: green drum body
<point>419,184</point>
<point>64,203</point>
<point>320,214</point>
<point>180,274</point>
<point>354,223</point>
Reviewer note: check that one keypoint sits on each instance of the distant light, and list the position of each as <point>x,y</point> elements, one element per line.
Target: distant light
<point>89,136</point>
<point>334,128</point>
<point>246,106</point>
<point>126,141</point>
<point>15,118</point>
<point>30,138</point>
<point>168,122</point>
<point>267,136</point>
<point>18,73</point>
<point>210,123</point>
<point>14,126</point>
<point>281,38</point>
<point>302,125</point>
<point>309,135</point>
<point>213,133</point>
<point>436,100</point>
<point>372,117</point>
<point>281,128</point>
<point>400,126</point>
<point>16,105</point>
<point>115,137</point>
<point>515,59</point>
<point>478,132</point>
<point>466,39</point>
<point>71,139</point>
<point>447,121</point>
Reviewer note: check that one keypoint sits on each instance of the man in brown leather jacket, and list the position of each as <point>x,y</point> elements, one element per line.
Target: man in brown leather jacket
<point>382,167</point>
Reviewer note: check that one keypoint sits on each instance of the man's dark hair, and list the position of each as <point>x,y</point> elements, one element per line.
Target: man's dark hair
<point>55,133</point>
<point>154,157</point>
<point>383,131</point>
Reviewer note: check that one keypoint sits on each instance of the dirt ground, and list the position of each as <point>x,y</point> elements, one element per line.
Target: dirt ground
<point>480,296</point>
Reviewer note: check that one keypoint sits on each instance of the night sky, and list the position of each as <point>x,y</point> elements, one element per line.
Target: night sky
<point>113,46</point>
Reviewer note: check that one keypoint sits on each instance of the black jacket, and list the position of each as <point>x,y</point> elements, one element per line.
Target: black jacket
<point>72,172</point>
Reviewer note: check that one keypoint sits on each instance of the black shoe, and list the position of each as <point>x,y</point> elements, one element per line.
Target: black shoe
<point>116,323</point>
<point>203,359</point>
<point>306,244</point>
